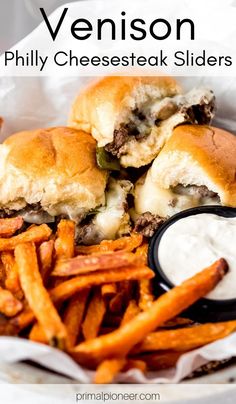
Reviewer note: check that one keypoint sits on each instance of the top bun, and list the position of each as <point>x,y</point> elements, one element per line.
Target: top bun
<point>104,103</point>
<point>194,156</point>
<point>133,117</point>
<point>54,167</point>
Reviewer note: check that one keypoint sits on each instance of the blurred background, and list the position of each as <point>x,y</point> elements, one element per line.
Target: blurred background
<point>19,17</point>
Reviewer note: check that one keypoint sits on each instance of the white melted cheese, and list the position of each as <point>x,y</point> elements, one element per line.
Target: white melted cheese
<point>112,221</point>
<point>195,242</point>
<point>150,197</point>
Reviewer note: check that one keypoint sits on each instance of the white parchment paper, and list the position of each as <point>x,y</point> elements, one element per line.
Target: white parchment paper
<point>31,102</point>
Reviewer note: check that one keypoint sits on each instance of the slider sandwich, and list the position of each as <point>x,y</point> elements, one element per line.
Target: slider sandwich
<point>132,117</point>
<point>49,174</point>
<point>196,167</point>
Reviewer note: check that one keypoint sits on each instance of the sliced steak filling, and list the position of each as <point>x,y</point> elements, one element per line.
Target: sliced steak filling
<point>147,224</point>
<point>196,107</point>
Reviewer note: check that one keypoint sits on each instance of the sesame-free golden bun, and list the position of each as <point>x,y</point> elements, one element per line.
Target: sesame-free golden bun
<point>107,104</point>
<point>194,155</point>
<point>55,167</point>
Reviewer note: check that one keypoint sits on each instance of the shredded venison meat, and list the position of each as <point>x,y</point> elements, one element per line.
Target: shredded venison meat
<point>198,190</point>
<point>117,147</point>
<point>204,192</point>
<point>201,113</point>
<point>147,224</point>
<point>198,111</point>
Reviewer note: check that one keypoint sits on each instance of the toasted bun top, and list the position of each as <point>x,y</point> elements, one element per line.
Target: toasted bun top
<point>199,155</point>
<point>194,156</point>
<point>55,166</point>
<point>101,106</point>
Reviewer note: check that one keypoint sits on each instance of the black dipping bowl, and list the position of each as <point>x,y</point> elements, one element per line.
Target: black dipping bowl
<point>205,310</point>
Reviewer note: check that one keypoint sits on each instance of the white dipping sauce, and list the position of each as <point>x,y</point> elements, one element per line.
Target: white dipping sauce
<point>195,242</point>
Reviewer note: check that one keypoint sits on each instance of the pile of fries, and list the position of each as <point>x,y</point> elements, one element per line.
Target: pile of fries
<point>96,302</point>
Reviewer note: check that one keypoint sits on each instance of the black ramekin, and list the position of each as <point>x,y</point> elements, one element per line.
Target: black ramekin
<point>205,310</point>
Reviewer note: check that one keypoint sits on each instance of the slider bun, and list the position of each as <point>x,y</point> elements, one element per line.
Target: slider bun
<point>105,104</point>
<point>55,167</point>
<point>194,155</point>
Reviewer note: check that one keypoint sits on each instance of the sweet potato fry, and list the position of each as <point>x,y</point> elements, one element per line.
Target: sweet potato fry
<point>185,339</point>
<point>10,225</point>
<point>142,252</point>
<point>135,364</point>
<point>131,311</point>
<point>85,264</point>
<point>34,234</point>
<point>66,289</point>
<point>120,301</point>
<point>160,361</point>
<point>37,296</point>
<point>45,256</point>
<point>94,316</point>
<point>170,304</point>
<point>178,322</point>
<point>65,241</point>
<point>128,243</point>
<point>37,334</point>
<point>116,303</point>
<point>9,305</point>
<point>108,369</point>
<point>108,290</point>
<point>128,288</point>
<point>73,316</point>
<point>23,320</point>
<point>2,274</point>
<point>6,328</point>
<point>12,282</point>
<point>145,294</point>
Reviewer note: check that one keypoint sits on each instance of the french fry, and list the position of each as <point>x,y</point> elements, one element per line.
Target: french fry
<point>85,264</point>
<point>135,364</point>
<point>94,316</point>
<point>185,339</point>
<point>108,369</point>
<point>37,296</point>
<point>45,256</point>
<point>169,305</point>
<point>142,252</point>
<point>120,301</point>
<point>73,316</point>
<point>35,234</point>
<point>161,360</point>
<point>2,274</point>
<point>12,282</point>
<point>66,289</point>
<point>10,225</point>
<point>37,334</point>
<point>178,322</point>
<point>131,311</point>
<point>145,294</point>
<point>128,243</point>
<point>23,320</point>
<point>65,241</point>
<point>128,289</point>
<point>9,305</point>
<point>116,303</point>
<point>108,290</point>
<point>6,328</point>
